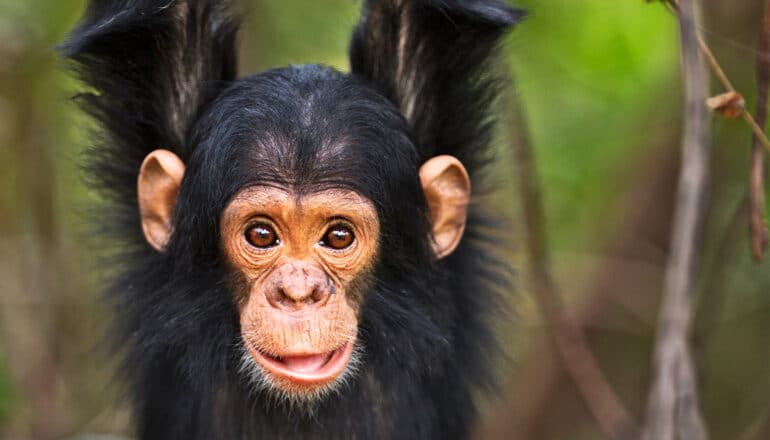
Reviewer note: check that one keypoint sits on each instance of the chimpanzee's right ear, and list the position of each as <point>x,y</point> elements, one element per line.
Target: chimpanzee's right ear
<point>160,178</point>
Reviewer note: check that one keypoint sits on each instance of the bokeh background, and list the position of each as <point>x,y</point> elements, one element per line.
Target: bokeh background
<point>600,88</point>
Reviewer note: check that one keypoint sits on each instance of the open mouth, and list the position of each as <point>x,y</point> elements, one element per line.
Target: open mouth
<point>307,369</point>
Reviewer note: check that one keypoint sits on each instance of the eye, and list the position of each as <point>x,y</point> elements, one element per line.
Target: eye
<point>262,236</point>
<point>338,237</point>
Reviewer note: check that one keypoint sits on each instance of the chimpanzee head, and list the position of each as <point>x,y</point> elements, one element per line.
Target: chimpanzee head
<point>317,189</point>
<point>302,229</point>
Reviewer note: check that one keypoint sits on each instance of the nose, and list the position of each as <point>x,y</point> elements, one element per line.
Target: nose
<point>298,285</point>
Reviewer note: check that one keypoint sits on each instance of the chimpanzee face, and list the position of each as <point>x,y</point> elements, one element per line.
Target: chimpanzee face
<point>301,262</point>
<point>312,169</point>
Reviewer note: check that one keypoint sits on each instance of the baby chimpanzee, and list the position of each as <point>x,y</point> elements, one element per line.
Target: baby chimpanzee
<point>303,254</point>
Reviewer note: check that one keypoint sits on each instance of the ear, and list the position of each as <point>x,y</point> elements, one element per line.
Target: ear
<point>157,187</point>
<point>447,189</point>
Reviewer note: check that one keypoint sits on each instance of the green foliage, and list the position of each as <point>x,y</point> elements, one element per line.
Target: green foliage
<point>279,33</point>
<point>592,75</point>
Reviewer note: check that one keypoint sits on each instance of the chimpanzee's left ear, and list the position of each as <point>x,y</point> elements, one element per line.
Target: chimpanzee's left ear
<point>447,189</point>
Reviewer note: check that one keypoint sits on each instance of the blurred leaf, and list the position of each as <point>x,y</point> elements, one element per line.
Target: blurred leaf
<point>594,75</point>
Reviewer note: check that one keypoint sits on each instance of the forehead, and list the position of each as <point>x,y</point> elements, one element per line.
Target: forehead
<point>304,129</point>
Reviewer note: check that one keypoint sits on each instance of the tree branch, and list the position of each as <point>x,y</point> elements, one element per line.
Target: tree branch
<point>759,232</point>
<point>719,73</point>
<point>570,342</point>
<point>672,410</point>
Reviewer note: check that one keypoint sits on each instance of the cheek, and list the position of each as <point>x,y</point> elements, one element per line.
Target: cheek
<point>240,287</point>
<point>356,287</point>
<point>354,274</point>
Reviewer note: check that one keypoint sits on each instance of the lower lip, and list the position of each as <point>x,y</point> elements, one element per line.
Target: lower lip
<point>334,365</point>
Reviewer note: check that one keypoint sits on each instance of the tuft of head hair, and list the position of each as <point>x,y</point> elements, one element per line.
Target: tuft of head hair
<point>436,60</point>
<point>433,59</point>
<point>150,67</point>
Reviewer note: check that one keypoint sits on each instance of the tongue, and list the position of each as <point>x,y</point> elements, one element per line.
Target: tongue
<point>306,364</point>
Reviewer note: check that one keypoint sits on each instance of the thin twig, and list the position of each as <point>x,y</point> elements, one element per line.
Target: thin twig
<point>672,409</point>
<point>569,339</point>
<point>759,232</point>
<point>719,73</point>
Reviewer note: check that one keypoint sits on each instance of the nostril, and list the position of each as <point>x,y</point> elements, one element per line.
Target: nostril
<point>276,297</point>
<point>284,296</point>
<point>318,295</point>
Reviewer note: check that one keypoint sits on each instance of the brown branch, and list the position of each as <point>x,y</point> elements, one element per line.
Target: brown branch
<point>672,409</point>
<point>758,228</point>
<point>570,342</point>
<point>719,73</point>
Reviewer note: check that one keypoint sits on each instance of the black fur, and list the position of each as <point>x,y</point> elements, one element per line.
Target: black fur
<point>162,75</point>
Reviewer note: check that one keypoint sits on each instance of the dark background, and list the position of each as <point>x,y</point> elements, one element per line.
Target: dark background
<point>599,81</point>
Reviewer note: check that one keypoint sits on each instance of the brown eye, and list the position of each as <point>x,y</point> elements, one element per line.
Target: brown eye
<point>338,237</point>
<point>262,236</point>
